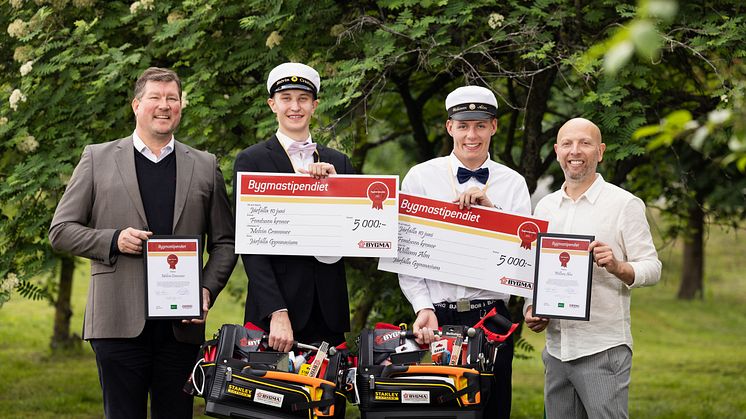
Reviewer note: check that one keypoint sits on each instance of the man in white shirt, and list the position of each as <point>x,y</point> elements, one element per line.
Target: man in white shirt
<point>587,364</point>
<point>469,177</point>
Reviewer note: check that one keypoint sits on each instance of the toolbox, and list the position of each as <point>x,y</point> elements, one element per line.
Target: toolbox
<point>452,378</point>
<point>394,380</point>
<point>240,378</point>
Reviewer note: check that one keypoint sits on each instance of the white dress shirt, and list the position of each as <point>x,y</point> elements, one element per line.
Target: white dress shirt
<point>145,151</point>
<point>436,179</point>
<point>617,218</point>
<point>299,160</point>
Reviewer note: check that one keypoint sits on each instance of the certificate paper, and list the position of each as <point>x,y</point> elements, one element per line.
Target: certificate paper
<point>481,247</point>
<point>564,267</point>
<point>173,274</point>
<point>342,215</point>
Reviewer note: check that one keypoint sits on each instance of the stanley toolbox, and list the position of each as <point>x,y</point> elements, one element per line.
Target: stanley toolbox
<point>240,380</point>
<point>396,378</point>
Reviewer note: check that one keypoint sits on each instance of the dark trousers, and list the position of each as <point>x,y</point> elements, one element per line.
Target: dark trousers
<point>498,404</point>
<point>153,363</point>
<point>316,330</point>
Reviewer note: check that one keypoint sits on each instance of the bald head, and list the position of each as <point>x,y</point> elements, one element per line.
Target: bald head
<point>583,125</point>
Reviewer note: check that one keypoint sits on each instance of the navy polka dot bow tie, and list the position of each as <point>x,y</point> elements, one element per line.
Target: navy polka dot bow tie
<point>481,175</point>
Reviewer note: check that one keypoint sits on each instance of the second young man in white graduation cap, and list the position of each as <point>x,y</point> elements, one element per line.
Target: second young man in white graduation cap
<point>469,177</point>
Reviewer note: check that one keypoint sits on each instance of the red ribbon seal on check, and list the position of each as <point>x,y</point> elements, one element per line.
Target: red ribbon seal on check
<point>172,261</point>
<point>528,232</point>
<point>564,257</point>
<point>377,193</point>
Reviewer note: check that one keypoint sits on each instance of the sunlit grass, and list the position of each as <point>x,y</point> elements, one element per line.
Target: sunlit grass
<point>689,357</point>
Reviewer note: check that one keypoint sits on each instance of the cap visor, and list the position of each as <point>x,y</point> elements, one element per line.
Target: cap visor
<point>472,116</point>
<point>294,86</point>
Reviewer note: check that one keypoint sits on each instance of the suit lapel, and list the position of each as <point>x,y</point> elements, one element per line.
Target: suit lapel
<point>279,156</point>
<point>184,170</point>
<point>124,158</point>
<point>323,153</point>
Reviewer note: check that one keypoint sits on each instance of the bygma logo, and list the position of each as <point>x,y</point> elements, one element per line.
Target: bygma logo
<point>244,342</point>
<point>415,397</point>
<point>380,340</point>
<point>362,244</point>
<point>269,398</point>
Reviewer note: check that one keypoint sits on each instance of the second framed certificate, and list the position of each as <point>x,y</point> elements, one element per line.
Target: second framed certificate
<point>562,282</point>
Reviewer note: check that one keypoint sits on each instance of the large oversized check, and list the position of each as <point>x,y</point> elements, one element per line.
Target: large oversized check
<point>481,247</point>
<point>342,215</point>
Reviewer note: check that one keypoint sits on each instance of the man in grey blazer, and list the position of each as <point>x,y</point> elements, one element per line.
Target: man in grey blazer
<point>121,193</point>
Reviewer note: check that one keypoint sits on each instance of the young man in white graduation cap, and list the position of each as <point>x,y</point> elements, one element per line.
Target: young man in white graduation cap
<point>301,298</point>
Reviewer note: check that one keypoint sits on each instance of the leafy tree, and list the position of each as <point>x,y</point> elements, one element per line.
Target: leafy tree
<point>67,70</point>
<point>698,98</point>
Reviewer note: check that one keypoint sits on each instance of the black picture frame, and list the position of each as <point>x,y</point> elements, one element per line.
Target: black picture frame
<point>198,240</point>
<point>537,303</point>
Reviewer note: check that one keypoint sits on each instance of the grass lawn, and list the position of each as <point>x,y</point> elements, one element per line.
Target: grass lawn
<point>689,357</point>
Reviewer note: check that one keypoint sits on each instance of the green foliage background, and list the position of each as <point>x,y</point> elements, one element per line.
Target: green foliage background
<point>67,69</point>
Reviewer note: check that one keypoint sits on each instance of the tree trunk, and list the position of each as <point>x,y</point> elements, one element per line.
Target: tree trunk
<point>61,337</point>
<point>694,258</point>
<point>362,312</point>
<point>533,140</point>
<point>515,307</point>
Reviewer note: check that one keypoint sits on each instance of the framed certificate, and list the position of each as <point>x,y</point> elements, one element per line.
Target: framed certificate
<point>562,281</point>
<point>173,277</point>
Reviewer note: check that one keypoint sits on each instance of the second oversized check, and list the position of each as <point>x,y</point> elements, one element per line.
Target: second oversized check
<point>342,215</point>
<point>480,248</point>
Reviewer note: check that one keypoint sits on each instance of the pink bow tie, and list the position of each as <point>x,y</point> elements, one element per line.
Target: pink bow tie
<point>296,147</point>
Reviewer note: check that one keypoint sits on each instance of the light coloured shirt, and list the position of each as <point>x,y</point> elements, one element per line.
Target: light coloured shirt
<point>145,151</point>
<point>617,218</point>
<point>299,160</point>
<point>436,179</point>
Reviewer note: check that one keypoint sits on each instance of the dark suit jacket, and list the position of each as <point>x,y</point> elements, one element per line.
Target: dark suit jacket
<point>103,196</point>
<point>292,282</point>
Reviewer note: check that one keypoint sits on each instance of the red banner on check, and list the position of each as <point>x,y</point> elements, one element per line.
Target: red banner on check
<point>526,228</point>
<point>376,189</point>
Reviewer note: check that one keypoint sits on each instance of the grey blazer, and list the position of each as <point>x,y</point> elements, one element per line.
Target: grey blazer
<point>103,196</point>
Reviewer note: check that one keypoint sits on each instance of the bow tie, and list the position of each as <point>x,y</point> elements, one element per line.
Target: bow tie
<point>296,147</point>
<point>481,175</point>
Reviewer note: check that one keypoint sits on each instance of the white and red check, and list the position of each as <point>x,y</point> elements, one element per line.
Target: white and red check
<point>342,215</point>
<point>481,247</point>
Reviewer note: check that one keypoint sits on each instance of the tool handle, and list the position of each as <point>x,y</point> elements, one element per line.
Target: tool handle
<point>498,324</point>
<point>409,334</point>
<point>307,347</point>
<point>294,378</point>
<point>391,370</point>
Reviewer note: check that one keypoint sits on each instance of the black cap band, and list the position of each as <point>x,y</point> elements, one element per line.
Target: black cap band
<point>473,110</point>
<point>292,82</point>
